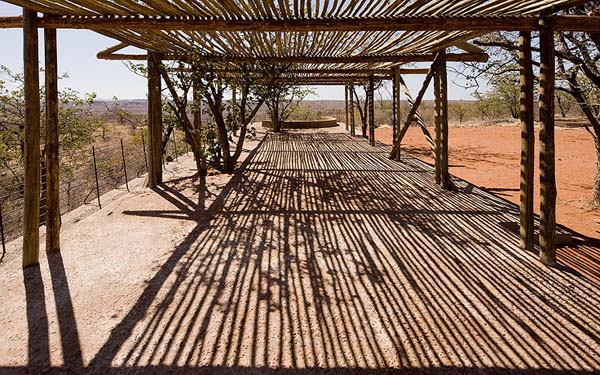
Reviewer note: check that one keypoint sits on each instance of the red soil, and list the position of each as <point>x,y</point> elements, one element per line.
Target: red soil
<point>489,157</point>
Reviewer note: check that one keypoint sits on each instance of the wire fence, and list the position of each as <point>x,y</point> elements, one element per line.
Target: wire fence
<point>85,176</point>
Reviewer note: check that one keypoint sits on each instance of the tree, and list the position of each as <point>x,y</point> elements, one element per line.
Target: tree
<point>281,95</point>
<point>77,122</point>
<point>212,83</point>
<point>578,70</point>
<point>362,104</point>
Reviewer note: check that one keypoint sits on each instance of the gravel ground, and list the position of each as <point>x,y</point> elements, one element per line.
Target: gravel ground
<point>319,256</point>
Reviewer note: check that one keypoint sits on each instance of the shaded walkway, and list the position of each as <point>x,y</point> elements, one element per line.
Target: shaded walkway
<point>321,255</point>
<point>327,255</point>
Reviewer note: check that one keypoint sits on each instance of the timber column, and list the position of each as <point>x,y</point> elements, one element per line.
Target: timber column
<point>154,121</point>
<point>352,122</point>
<point>52,143</point>
<point>31,208</point>
<point>442,175</point>
<point>547,155</point>
<point>371,110</point>
<point>527,142</point>
<point>346,89</point>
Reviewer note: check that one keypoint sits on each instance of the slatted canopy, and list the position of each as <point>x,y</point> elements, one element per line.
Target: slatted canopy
<point>311,34</point>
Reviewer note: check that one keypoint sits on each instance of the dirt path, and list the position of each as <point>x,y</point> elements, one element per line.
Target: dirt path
<point>489,157</point>
<point>321,256</point>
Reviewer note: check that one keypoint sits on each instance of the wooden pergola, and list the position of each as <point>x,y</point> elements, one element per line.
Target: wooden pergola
<point>326,42</point>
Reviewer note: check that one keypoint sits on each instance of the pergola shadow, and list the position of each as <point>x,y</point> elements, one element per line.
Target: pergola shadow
<point>324,256</point>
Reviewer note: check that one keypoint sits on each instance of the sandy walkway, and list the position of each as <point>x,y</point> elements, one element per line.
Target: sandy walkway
<point>322,256</point>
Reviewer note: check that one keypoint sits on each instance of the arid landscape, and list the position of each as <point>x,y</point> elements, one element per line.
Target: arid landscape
<point>488,156</point>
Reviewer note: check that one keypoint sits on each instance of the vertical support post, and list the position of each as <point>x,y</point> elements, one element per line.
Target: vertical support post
<point>96,176</point>
<point>124,165</point>
<point>547,152</point>
<point>31,209</point>
<point>442,175</point>
<point>437,92</point>
<point>233,109</point>
<point>527,141</point>
<point>52,146</point>
<point>398,111</point>
<point>445,174</point>
<point>371,116</point>
<point>394,102</point>
<point>352,119</point>
<point>154,120</point>
<point>347,122</point>
<point>145,154</point>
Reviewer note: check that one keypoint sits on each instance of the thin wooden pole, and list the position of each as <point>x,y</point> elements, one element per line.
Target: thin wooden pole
<point>527,142</point>
<point>52,169</point>
<point>444,172</point>
<point>145,154</point>
<point>398,99</point>
<point>415,107</point>
<point>234,105</point>
<point>352,119</point>
<point>547,153</point>
<point>154,121</point>
<point>371,117</point>
<point>437,88</point>
<point>394,105</point>
<point>96,177</point>
<point>124,165</point>
<point>347,122</point>
<point>31,208</point>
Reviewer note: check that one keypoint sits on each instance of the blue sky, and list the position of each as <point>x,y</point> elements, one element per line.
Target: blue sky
<point>77,51</point>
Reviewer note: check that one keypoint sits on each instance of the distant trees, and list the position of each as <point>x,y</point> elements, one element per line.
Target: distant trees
<point>77,123</point>
<point>577,72</point>
<point>503,96</point>
<point>361,103</point>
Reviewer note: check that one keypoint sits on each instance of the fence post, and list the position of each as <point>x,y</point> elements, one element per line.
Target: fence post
<point>96,175</point>
<point>175,146</point>
<point>144,148</point>
<point>2,232</point>
<point>124,165</point>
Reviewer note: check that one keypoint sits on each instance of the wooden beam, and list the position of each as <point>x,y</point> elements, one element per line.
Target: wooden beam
<point>399,23</point>
<point>547,152</point>
<point>371,110</point>
<point>332,71</point>
<point>394,104</point>
<point>52,146</point>
<point>445,182</point>
<point>154,121</point>
<point>395,154</point>
<point>437,88</point>
<point>527,142</point>
<point>352,119</point>
<point>31,207</point>
<point>346,122</point>
<point>406,58</point>
<point>419,119</point>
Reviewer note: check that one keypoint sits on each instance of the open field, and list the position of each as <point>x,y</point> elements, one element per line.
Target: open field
<point>489,157</point>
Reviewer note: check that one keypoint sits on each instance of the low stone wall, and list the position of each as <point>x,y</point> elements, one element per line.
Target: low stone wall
<point>325,122</point>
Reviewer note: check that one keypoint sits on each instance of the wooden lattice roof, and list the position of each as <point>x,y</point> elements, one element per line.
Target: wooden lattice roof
<point>348,34</point>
